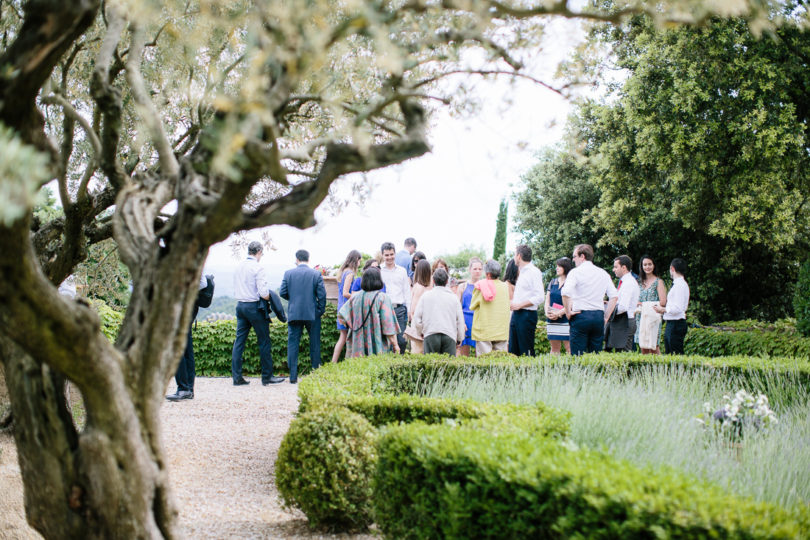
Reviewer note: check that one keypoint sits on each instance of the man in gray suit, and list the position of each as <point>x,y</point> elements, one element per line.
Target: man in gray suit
<point>304,289</point>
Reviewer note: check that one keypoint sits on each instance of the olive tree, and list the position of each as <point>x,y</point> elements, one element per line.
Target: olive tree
<point>167,126</point>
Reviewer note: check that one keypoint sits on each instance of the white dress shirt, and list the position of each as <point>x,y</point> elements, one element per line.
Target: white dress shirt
<point>629,292</point>
<point>248,280</point>
<point>677,300</point>
<point>397,284</point>
<point>586,286</point>
<point>529,287</point>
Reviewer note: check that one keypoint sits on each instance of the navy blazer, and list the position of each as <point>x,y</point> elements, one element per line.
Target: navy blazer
<point>303,287</point>
<point>273,305</point>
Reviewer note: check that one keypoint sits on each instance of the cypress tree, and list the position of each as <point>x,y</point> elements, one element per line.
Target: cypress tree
<point>500,232</point>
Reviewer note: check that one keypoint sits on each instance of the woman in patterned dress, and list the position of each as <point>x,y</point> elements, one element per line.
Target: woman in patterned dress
<point>370,318</point>
<point>652,290</point>
<point>476,270</point>
<point>346,273</point>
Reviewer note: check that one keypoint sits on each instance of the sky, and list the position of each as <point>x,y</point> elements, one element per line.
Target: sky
<point>446,199</point>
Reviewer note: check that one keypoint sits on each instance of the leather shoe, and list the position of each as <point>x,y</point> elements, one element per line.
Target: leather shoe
<point>293,381</point>
<point>274,380</point>
<point>240,382</point>
<point>180,394</point>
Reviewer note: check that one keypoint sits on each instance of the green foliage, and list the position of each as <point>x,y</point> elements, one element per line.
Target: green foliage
<point>459,469</point>
<point>110,319</point>
<point>499,249</point>
<point>775,339</point>
<point>104,277</point>
<point>468,482</point>
<point>220,304</point>
<point>459,261</point>
<point>22,168</point>
<point>801,300</point>
<point>325,465</point>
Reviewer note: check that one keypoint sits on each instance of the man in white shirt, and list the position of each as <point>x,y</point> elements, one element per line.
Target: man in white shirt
<point>529,293</point>
<point>439,317</point>
<point>249,285</point>
<point>398,289</point>
<point>583,297</point>
<point>675,312</point>
<point>622,326</point>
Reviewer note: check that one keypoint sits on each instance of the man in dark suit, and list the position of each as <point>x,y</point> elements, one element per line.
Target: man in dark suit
<point>304,289</point>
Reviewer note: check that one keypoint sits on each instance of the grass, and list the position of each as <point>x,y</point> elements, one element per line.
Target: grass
<point>649,419</point>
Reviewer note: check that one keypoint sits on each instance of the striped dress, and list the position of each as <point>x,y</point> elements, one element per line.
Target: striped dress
<point>558,329</point>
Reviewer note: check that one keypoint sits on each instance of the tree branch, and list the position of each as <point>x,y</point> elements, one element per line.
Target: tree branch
<point>149,113</point>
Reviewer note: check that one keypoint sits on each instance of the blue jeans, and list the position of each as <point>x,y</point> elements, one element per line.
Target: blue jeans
<point>248,316</point>
<point>587,332</point>
<point>295,330</point>
<point>522,326</point>
<point>185,371</point>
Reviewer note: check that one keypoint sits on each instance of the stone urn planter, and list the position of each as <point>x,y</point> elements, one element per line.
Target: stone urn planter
<point>330,283</point>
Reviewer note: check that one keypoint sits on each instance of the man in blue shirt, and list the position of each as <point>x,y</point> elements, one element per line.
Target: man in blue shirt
<point>404,256</point>
<point>303,287</point>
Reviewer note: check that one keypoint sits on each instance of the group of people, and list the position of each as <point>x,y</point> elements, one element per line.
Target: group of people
<point>401,300</point>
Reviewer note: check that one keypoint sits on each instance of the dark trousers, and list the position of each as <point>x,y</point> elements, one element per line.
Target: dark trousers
<point>674,334</point>
<point>248,316</point>
<point>440,344</point>
<point>295,329</point>
<point>522,326</point>
<point>185,371</point>
<point>587,331</point>
<point>401,311</point>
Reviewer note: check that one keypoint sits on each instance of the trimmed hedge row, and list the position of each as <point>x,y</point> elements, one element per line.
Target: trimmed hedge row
<point>753,338</point>
<point>461,469</point>
<point>464,482</point>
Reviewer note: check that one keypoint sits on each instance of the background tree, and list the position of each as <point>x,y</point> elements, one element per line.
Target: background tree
<point>168,126</point>
<point>499,249</point>
<point>701,152</point>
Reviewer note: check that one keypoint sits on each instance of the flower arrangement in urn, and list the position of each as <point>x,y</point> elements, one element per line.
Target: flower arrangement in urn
<point>318,268</point>
<point>738,415</point>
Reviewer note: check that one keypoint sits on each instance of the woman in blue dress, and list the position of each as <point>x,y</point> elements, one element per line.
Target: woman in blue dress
<point>476,270</point>
<point>371,263</point>
<point>557,328</point>
<point>347,271</point>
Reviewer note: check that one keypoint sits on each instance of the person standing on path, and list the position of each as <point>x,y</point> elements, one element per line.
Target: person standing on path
<point>465,293</point>
<point>439,317</point>
<point>304,289</point>
<point>675,311</point>
<point>583,297</point>
<point>404,257</point>
<point>347,271</point>
<point>398,289</point>
<point>490,304</point>
<point>250,284</point>
<point>529,294</point>
<point>622,326</point>
<point>184,377</point>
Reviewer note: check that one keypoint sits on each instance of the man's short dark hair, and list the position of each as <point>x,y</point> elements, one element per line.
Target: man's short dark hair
<point>410,242</point>
<point>387,246</point>
<point>525,253</point>
<point>679,265</point>
<point>584,249</point>
<point>254,247</point>
<point>371,280</point>
<point>302,255</point>
<point>626,261</point>
<point>440,277</point>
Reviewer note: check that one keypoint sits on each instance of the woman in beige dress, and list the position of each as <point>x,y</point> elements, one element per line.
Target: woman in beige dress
<point>421,283</point>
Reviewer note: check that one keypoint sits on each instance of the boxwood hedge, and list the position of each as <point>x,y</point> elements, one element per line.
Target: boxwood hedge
<point>752,338</point>
<point>460,469</point>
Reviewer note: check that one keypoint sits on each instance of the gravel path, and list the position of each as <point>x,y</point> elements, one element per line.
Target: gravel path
<point>221,447</point>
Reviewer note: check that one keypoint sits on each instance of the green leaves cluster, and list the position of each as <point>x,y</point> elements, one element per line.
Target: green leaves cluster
<point>701,152</point>
<point>464,469</point>
<point>801,300</point>
<point>22,170</point>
